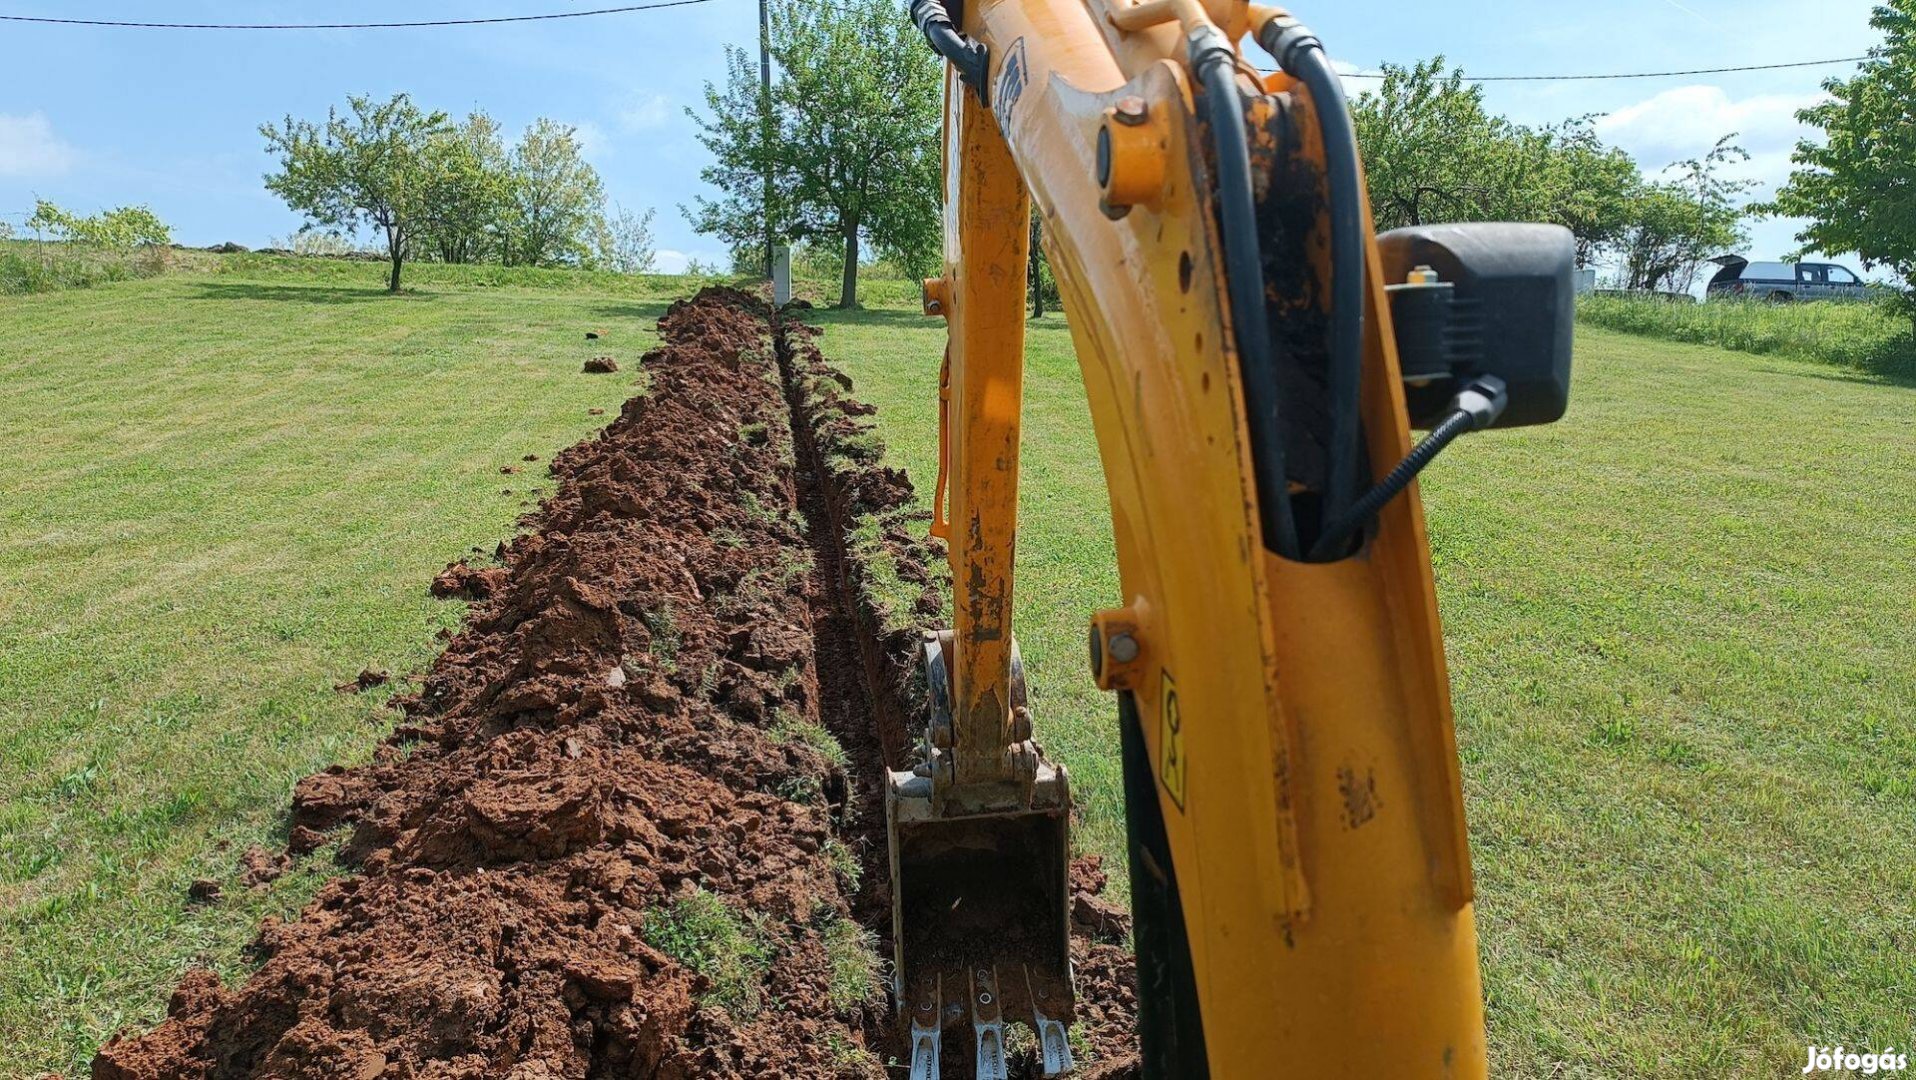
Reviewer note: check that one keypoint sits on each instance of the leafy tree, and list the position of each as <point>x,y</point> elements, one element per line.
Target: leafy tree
<point>744,149</point>
<point>1594,190</point>
<point>1858,188</point>
<point>369,168</point>
<point>121,229</point>
<point>469,185</point>
<point>853,141</point>
<point>625,243</point>
<point>556,204</point>
<point>1431,151</point>
<point>1674,225</point>
<point>1039,280</point>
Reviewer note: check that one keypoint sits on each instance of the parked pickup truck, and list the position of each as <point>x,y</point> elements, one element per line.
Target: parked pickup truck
<point>1785,281</point>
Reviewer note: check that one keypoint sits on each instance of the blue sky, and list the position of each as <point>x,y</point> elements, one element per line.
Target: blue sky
<point>94,117</point>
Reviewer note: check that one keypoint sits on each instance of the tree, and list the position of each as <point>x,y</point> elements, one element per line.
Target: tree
<point>1674,225</point>
<point>1431,151</point>
<point>744,149</point>
<point>469,184</point>
<point>1858,188</point>
<point>121,229</point>
<point>556,204</point>
<point>1595,188</point>
<point>854,138</point>
<point>367,169</point>
<point>625,243</point>
<point>1039,281</point>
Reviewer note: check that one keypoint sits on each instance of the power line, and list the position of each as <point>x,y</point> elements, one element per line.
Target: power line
<point>658,4</point>
<point>1638,74</point>
<point>353,26</point>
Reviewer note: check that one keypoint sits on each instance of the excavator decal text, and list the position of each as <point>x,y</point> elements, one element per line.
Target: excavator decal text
<point>1171,741</point>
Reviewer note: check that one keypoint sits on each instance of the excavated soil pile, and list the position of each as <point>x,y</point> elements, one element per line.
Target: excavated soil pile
<point>612,837</point>
<point>603,739</point>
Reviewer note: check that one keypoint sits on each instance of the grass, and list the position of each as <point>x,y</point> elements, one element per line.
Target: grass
<point>1870,338</point>
<point>1679,627</point>
<point>702,932</point>
<point>28,266</point>
<point>1684,664</point>
<point>224,493</point>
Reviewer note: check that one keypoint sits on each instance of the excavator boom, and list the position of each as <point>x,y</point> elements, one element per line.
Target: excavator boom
<point>1299,862</point>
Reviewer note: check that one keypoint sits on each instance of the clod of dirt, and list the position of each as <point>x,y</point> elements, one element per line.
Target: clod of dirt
<point>530,457</point>
<point>462,581</point>
<point>508,470</point>
<point>367,678</point>
<point>1101,919</point>
<point>595,412</point>
<point>525,845</point>
<point>592,335</point>
<point>601,365</point>
<point>203,891</point>
<point>260,867</point>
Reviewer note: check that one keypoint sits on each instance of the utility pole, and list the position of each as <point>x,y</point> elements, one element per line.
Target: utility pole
<point>765,119</point>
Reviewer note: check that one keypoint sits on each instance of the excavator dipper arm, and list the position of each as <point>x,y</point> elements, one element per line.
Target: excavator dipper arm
<point>1299,862</point>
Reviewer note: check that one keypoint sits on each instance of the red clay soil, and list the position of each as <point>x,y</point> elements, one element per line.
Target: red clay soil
<point>597,742</point>
<point>611,733</point>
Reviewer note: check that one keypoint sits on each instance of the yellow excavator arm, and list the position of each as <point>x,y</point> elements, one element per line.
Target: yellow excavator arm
<point>1299,862</point>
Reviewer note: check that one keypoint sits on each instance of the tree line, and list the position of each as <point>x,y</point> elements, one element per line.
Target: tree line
<point>850,135</point>
<point>429,187</point>
<point>1434,153</point>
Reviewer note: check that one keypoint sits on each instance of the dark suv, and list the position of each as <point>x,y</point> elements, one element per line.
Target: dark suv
<point>1785,281</point>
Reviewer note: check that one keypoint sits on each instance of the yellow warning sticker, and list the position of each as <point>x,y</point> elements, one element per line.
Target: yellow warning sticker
<point>1170,741</point>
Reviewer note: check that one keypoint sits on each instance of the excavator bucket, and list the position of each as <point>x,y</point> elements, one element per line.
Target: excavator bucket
<point>980,917</point>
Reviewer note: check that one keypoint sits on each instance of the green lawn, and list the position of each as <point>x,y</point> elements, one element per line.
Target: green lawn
<point>1682,630</point>
<point>221,495</point>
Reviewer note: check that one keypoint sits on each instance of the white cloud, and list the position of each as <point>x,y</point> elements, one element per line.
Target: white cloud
<point>675,262</point>
<point>592,139</point>
<point>1686,122</point>
<point>645,113</point>
<point>28,147</point>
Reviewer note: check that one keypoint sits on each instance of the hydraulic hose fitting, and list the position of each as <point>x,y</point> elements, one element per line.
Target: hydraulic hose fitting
<point>1208,47</point>
<point>1285,38</point>
<point>971,58</point>
<point>1483,400</point>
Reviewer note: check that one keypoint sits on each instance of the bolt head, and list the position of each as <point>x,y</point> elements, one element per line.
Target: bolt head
<point>1130,110</point>
<point>1124,648</point>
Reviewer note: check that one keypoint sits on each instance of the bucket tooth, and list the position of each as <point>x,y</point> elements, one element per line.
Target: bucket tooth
<point>987,1020</point>
<point>927,1024</point>
<point>1054,1044</point>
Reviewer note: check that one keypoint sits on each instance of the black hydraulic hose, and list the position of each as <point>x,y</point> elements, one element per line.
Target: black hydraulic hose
<point>1215,62</point>
<point>1338,531</point>
<point>1301,54</point>
<point>1477,405</point>
<point>968,56</point>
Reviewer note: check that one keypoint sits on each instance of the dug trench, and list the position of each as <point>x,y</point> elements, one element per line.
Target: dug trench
<point>632,823</point>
